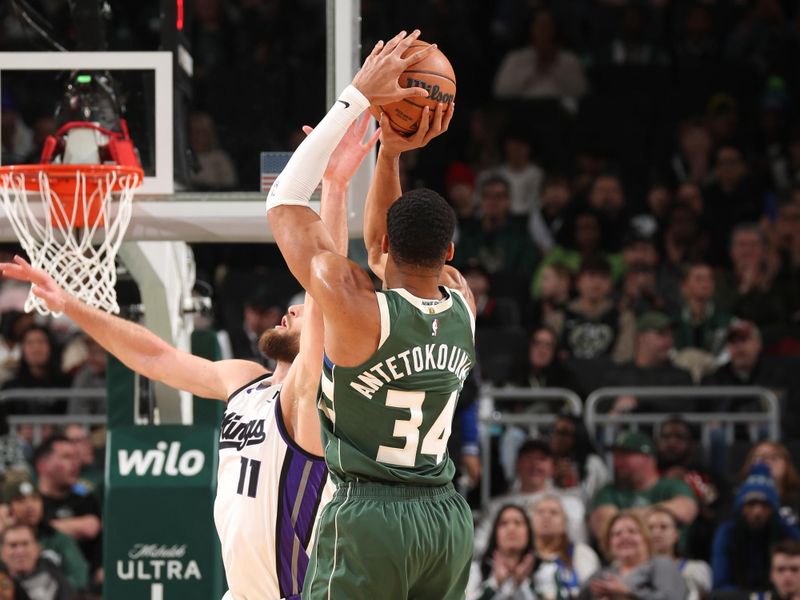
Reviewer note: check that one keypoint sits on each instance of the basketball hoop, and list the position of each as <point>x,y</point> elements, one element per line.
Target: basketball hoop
<point>75,232</point>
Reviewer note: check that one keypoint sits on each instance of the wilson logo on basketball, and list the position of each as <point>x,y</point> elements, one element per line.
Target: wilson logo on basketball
<point>436,94</point>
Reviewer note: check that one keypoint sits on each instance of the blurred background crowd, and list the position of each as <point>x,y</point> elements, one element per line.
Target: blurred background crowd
<point>626,175</point>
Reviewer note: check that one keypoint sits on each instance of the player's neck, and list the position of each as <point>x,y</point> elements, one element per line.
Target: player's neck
<point>281,369</point>
<point>421,283</point>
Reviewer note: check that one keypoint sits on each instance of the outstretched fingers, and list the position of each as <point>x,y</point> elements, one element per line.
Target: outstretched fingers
<point>417,56</point>
<point>376,49</point>
<point>373,139</point>
<point>398,41</point>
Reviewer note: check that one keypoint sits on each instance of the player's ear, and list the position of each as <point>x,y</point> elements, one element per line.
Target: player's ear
<point>385,244</point>
<point>451,252</point>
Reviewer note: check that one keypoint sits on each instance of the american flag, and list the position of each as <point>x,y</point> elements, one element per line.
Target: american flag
<point>272,163</point>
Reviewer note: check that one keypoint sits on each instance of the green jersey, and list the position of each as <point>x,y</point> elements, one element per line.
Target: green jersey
<point>389,419</point>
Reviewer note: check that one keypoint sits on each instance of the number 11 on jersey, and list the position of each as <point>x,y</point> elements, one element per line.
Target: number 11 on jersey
<point>435,441</point>
<point>252,486</point>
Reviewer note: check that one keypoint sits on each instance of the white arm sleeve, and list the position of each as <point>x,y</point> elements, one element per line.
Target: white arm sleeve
<point>302,174</point>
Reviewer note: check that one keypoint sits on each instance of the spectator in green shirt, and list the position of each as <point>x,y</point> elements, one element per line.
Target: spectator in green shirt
<point>638,486</point>
<point>700,324</point>
<point>496,239</point>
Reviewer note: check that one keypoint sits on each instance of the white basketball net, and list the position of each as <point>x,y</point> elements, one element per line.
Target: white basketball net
<point>79,263</point>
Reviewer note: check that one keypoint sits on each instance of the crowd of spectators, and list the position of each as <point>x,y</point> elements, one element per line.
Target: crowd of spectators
<point>626,177</point>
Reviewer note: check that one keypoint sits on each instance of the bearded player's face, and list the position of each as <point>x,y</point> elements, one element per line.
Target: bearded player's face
<point>282,342</point>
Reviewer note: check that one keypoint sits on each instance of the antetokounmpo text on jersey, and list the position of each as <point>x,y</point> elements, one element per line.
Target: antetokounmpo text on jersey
<point>430,357</point>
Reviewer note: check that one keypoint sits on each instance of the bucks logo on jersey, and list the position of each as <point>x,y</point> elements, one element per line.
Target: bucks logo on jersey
<point>389,418</point>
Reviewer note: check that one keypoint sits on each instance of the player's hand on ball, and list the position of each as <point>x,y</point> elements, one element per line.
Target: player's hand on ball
<point>378,77</point>
<point>42,286</point>
<point>394,143</point>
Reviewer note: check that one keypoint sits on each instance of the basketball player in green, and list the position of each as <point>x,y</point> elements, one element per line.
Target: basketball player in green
<point>395,362</point>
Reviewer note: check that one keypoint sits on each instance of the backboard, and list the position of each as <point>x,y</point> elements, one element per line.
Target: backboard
<point>146,82</point>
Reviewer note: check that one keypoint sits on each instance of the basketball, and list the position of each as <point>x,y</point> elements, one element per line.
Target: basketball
<point>435,74</point>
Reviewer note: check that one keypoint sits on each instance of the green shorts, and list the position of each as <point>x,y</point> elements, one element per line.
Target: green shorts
<point>391,542</point>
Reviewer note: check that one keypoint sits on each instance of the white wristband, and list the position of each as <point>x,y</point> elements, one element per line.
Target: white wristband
<point>302,174</point>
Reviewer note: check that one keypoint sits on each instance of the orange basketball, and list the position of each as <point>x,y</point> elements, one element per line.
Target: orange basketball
<point>435,74</point>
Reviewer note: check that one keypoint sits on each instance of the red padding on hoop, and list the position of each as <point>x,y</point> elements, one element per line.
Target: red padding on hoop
<point>122,152</point>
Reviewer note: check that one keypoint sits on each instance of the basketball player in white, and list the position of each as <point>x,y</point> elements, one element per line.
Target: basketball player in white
<point>272,477</point>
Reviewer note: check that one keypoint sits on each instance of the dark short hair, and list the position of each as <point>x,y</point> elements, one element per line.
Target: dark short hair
<point>46,448</point>
<point>748,228</point>
<point>554,180</point>
<point>687,269</point>
<point>494,179</point>
<point>681,422</point>
<point>420,227</point>
<point>534,445</point>
<point>788,547</point>
<point>14,527</point>
<point>595,263</point>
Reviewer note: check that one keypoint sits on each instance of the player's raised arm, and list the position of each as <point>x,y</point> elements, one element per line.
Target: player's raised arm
<point>385,187</point>
<point>137,347</point>
<point>385,190</point>
<point>300,386</point>
<point>298,231</point>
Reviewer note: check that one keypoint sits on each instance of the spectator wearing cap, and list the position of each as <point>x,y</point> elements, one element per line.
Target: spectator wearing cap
<point>741,547</point>
<point>534,479</point>
<point>591,326</point>
<point>748,366</point>
<point>459,183</point>
<point>495,239</point>
<point>651,364</point>
<point>25,507</point>
<point>699,324</point>
<point>547,220</point>
<point>38,578</point>
<point>261,312</point>
<point>784,472</point>
<point>638,485</point>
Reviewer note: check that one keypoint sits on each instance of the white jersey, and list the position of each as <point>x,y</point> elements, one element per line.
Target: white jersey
<point>269,494</point>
